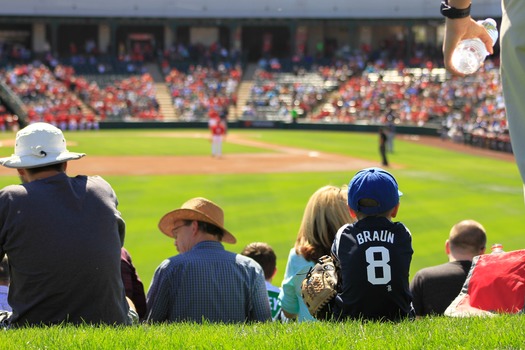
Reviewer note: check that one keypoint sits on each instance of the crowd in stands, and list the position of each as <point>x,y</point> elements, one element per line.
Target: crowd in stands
<point>12,52</point>
<point>203,91</point>
<point>418,96</point>
<point>353,86</point>
<point>467,110</point>
<point>129,99</point>
<point>276,95</point>
<point>349,70</point>
<point>104,64</point>
<point>45,97</point>
<point>182,57</point>
<point>477,116</point>
<point>8,121</point>
<point>62,98</point>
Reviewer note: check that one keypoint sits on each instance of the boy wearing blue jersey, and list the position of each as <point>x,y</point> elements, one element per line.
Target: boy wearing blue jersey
<point>374,253</point>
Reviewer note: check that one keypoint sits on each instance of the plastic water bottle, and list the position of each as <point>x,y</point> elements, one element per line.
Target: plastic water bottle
<point>497,248</point>
<point>470,54</point>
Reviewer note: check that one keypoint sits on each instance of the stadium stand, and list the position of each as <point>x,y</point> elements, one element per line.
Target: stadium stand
<point>77,73</point>
<point>203,90</point>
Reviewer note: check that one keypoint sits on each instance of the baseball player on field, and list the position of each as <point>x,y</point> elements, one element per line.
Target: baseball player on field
<point>374,253</point>
<point>218,131</point>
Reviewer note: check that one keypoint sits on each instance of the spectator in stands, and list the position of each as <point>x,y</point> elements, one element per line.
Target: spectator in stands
<point>64,244</point>
<point>325,212</point>
<point>434,288</point>
<point>222,286</point>
<point>264,255</point>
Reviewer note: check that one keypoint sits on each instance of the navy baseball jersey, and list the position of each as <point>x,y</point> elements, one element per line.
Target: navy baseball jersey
<point>374,256</point>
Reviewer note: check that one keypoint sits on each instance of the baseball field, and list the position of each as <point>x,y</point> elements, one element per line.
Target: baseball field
<point>263,182</point>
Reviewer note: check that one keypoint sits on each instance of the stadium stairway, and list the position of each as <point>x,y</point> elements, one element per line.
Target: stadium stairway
<point>326,103</point>
<point>162,93</point>
<point>85,109</point>
<point>244,91</point>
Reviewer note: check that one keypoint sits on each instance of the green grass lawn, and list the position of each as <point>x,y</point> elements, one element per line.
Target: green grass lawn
<point>440,188</point>
<point>503,332</point>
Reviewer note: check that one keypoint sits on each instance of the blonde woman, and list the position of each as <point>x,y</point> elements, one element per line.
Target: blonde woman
<point>325,212</point>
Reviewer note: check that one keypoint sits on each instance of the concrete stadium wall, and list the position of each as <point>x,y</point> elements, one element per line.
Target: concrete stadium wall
<point>240,8</point>
<point>261,124</point>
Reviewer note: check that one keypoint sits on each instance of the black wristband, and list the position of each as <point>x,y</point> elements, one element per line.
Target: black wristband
<point>452,12</point>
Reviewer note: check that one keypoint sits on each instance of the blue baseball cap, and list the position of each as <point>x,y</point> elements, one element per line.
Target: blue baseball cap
<point>376,184</point>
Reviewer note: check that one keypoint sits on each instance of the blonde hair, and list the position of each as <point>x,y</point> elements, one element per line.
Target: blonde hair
<point>325,212</point>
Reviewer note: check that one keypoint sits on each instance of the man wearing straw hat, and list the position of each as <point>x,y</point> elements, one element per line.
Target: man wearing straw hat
<point>63,237</point>
<point>205,283</point>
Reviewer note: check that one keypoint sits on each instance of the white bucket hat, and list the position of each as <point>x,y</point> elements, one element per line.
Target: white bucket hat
<point>37,145</point>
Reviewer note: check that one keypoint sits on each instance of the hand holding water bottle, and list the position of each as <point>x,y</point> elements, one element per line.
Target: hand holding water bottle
<point>459,29</point>
<point>470,54</point>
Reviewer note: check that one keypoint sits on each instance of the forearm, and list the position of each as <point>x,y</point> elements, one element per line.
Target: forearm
<point>459,25</point>
<point>289,315</point>
<point>459,4</point>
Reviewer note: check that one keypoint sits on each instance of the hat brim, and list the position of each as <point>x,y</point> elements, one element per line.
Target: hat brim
<point>31,161</point>
<point>167,222</point>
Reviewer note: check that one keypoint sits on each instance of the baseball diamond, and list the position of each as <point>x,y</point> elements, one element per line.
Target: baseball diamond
<point>280,160</point>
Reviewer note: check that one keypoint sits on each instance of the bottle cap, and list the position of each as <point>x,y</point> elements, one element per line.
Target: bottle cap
<point>497,246</point>
<point>492,29</point>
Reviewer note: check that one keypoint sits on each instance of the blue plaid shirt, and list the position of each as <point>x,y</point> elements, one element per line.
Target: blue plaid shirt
<point>208,283</point>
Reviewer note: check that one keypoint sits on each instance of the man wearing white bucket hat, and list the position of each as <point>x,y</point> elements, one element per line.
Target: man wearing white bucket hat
<point>205,282</point>
<point>63,237</point>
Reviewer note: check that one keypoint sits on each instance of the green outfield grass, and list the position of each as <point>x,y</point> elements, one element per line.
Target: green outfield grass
<point>440,188</point>
<point>505,332</point>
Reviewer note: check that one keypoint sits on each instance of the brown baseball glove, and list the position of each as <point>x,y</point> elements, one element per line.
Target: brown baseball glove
<point>320,287</point>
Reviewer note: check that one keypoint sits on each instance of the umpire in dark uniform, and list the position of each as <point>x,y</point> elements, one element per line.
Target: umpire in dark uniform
<point>383,140</point>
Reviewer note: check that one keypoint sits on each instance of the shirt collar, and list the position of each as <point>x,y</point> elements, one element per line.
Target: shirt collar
<point>208,245</point>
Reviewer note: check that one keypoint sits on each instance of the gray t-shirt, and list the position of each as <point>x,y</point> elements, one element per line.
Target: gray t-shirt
<point>63,237</point>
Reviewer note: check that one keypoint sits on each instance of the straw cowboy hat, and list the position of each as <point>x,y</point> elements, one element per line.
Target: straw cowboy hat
<point>198,209</point>
<point>37,145</point>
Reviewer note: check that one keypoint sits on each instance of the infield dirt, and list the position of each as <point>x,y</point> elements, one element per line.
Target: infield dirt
<point>278,159</point>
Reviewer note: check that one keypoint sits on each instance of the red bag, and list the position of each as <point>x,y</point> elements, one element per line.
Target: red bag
<point>495,284</point>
